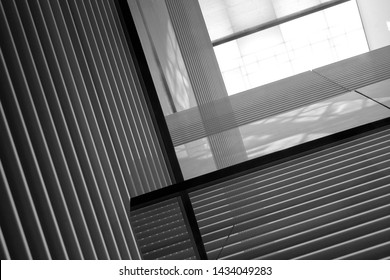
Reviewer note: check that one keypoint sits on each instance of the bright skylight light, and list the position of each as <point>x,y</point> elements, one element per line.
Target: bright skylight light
<point>296,46</point>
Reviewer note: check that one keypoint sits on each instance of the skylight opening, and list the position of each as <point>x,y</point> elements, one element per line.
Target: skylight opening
<point>290,48</point>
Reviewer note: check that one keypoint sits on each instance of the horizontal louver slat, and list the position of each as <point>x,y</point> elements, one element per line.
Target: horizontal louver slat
<point>315,207</point>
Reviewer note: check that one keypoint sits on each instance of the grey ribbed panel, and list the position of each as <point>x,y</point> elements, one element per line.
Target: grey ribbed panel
<point>252,105</point>
<point>206,80</point>
<point>136,105</point>
<point>282,96</point>
<point>4,253</point>
<point>325,205</point>
<point>161,231</point>
<point>75,84</point>
<point>359,71</point>
<point>15,176</point>
<point>77,138</point>
<point>14,229</point>
<point>71,132</point>
<point>49,76</point>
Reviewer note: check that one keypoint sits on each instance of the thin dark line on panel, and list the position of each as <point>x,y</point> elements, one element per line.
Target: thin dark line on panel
<point>225,241</point>
<point>364,28</point>
<point>372,99</point>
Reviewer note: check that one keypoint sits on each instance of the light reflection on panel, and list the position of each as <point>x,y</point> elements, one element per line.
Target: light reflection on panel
<point>291,48</point>
<point>309,123</point>
<point>195,158</point>
<point>288,129</point>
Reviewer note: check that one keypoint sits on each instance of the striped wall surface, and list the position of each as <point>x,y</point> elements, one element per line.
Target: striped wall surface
<point>330,204</point>
<point>77,137</point>
<point>283,96</point>
<point>206,81</point>
<point>359,71</point>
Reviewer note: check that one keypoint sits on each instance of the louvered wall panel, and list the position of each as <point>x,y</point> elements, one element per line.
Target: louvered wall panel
<point>329,204</point>
<point>284,95</point>
<point>161,231</point>
<point>359,71</point>
<point>77,137</point>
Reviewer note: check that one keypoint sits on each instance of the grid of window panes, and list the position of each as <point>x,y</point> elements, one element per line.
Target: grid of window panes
<point>293,47</point>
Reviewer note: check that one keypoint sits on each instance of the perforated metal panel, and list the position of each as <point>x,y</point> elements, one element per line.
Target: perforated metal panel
<point>161,231</point>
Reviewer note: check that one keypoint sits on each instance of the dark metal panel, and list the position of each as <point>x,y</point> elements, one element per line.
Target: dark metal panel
<point>81,101</point>
<point>4,253</point>
<point>15,177</point>
<point>72,128</point>
<point>107,25</point>
<point>67,166</point>
<point>28,137</point>
<point>13,236</point>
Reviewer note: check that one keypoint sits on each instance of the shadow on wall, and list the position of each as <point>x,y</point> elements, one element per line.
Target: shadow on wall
<point>169,58</point>
<point>286,130</point>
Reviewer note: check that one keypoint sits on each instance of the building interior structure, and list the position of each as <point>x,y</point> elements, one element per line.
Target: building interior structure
<point>197,129</point>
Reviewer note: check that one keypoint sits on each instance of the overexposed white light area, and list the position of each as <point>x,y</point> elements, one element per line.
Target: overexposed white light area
<point>305,43</point>
<point>225,17</point>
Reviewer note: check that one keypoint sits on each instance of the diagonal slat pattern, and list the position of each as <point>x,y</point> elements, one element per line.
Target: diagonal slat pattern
<point>78,136</point>
<point>325,205</point>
